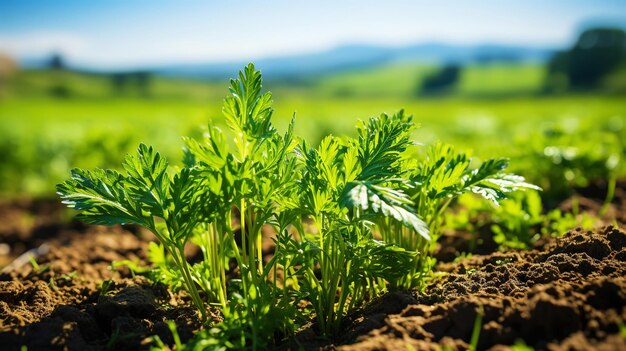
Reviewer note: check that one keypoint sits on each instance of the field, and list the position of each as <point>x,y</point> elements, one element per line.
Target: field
<point>441,243</point>
<point>94,126</point>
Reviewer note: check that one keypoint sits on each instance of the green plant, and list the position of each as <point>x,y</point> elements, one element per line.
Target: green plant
<point>520,345</point>
<point>256,179</point>
<point>117,339</point>
<point>52,282</point>
<point>352,189</point>
<point>518,221</point>
<point>329,207</point>
<point>563,158</point>
<point>478,324</point>
<point>346,187</point>
<point>434,182</point>
<point>196,205</point>
<point>36,267</point>
<point>156,344</point>
<point>147,195</point>
<point>105,286</point>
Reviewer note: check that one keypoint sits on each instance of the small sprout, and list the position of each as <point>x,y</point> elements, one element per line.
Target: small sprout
<point>105,286</point>
<point>36,267</point>
<point>478,323</point>
<point>67,277</point>
<point>174,330</point>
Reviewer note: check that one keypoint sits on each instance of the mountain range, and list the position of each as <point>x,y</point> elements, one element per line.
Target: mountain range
<point>338,59</point>
<point>363,56</point>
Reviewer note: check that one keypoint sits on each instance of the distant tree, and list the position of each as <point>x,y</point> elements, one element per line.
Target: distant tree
<point>60,87</point>
<point>125,82</point>
<point>441,81</point>
<point>60,91</point>
<point>56,62</point>
<point>118,82</point>
<point>344,92</point>
<point>597,53</point>
<point>143,80</point>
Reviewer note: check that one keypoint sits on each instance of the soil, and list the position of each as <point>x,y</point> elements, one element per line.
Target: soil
<point>26,224</point>
<point>75,300</point>
<point>568,293</point>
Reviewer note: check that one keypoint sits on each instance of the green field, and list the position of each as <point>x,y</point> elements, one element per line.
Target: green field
<point>404,80</point>
<point>493,110</point>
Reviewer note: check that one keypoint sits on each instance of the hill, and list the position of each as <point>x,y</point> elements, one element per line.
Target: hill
<point>352,57</point>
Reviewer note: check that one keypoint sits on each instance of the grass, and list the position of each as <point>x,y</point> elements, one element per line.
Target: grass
<point>501,79</point>
<point>162,122</point>
<point>458,120</point>
<point>399,80</point>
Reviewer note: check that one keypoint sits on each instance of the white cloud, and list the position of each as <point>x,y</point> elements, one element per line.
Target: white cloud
<point>40,44</point>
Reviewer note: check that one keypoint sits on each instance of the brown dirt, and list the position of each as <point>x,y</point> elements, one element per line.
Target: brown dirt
<point>25,224</point>
<point>591,200</point>
<point>62,305</point>
<point>570,295</point>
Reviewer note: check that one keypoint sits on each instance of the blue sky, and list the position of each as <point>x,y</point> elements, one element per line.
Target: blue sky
<point>118,33</point>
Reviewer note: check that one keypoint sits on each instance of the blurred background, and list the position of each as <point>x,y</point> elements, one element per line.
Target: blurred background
<point>83,82</point>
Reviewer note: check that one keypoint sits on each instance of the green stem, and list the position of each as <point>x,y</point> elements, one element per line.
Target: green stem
<point>242,228</point>
<point>345,291</point>
<point>434,222</point>
<point>610,193</point>
<point>179,258</point>
<point>217,267</point>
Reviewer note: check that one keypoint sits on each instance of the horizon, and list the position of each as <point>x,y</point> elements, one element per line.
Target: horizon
<point>115,34</point>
